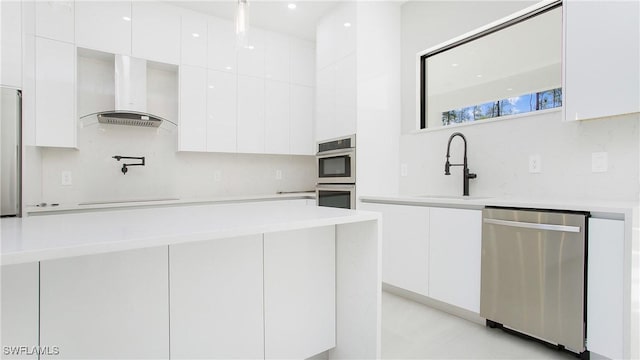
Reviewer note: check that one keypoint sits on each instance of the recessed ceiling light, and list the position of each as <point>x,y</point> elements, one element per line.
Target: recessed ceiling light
<point>347,24</point>
<point>228,67</point>
<point>210,86</point>
<point>509,89</point>
<point>454,65</point>
<point>292,6</point>
<point>126,18</point>
<point>250,47</point>
<point>479,75</point>
<point>195,35</point>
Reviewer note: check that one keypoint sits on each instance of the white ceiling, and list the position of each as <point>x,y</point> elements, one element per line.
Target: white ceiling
<point>270,15</point>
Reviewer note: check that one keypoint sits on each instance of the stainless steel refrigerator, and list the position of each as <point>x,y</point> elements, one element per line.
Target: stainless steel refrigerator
<point>10,151</point>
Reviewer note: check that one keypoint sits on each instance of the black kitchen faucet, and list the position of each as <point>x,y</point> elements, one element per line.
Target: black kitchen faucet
<point>466,175</point>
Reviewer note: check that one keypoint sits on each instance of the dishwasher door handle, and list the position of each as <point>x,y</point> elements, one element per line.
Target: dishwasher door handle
<point>535,226</point>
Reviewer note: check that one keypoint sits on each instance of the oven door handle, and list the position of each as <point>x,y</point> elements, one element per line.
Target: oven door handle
<point>534,226</point>
<point>349,151</point>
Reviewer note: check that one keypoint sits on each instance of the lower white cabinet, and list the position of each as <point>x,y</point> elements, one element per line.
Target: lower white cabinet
<point>216,290</point>
<point>405,245</point>
<point>19,309</point>
<point>109,306</point>
<point>454,256</point>
<point>299,292</point>
<point>605,288</point>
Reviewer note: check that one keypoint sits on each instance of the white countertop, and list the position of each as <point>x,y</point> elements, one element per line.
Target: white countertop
<point>54,236</point>
<point>626,208</point>
<point>38,210</point>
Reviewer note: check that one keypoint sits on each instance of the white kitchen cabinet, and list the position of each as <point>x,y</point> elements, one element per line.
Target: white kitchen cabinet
<point>10,33</point>
<point>602,53</point>
<point>19,308</point>
<point>336,40</point>
<point>221,111</point>
<point>55,106</point>
<point>303,62</point>
<point>346,97</point>
<point>277,57</point>
<point>155,32</point>
<point>217,299</point>
<point>337,99</point>
<point>55,20</point>
<point>605,288</point>
<point>299,292</point>
<point>221,50</point>
<point>277,112</point>
<point>250,114</point>
<point>111,305</point>
<point>192,127</point>
<point>301,136</point>
<point>405,245</point>
<point>251,56</point>
<point>194,40</point>
<point>104,26</point>
<point>454,256</point>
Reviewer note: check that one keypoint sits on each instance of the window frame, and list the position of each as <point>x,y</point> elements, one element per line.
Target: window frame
<point>515,18</point>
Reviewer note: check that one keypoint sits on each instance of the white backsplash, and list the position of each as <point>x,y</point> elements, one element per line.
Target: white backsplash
<point>167,174</point>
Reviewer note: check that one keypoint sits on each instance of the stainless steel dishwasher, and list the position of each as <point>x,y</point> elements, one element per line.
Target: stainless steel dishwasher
<point>533,274</point>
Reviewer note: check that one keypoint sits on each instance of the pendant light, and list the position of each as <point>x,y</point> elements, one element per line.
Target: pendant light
<point>242,23</point>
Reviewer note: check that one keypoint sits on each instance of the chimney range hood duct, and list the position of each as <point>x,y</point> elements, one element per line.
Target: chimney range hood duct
<point>130,95</point>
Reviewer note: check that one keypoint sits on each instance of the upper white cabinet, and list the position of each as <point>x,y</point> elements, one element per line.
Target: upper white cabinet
<point>155,32</point>
<point>301,136</point>
<point>193,109</point>
<point>278,58</point>
<point>299,292</point>
<point>277,112</point>
<point>217,299</point>
<point>104,26</point>
<point>118,299</point>
<point>405,246</point>
<point>336,34</point>
<point>194,40</point>
<point>303,62</point>
<point>251,56</point>
<point>55,106</point>
<point>605,288</point>
<point>251,94</point>
<point>221,50</point>
<point>336,99</point>
<point>454,256</point>
<point>10,33</point>
<point>222,116</point>
<point>19,303</point>
<point>55,20</point>
<point>602,53</point>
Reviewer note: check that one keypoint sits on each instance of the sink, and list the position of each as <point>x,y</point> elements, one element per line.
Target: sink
<point>454,197</point>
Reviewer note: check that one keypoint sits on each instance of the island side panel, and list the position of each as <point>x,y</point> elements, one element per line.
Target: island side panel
<point>19,311</point>
<point>358,291</point>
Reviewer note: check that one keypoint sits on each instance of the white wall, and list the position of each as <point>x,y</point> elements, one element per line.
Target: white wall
<point>378,97</point>
<point>167,174</point>
<point>499,150</point>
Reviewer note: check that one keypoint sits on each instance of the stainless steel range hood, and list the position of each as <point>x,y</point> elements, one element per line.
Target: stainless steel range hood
<point>130,95</point>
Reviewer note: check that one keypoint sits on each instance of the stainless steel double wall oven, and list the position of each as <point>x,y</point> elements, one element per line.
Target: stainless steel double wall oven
<point>336,170</point>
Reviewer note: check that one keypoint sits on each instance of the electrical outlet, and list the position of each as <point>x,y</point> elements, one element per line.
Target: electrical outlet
<point>535,164</point>
<point>278,174</point>
<point>217,175</point>
<point>404,170</point>
<point>599,162</point>
<point>65,178</point>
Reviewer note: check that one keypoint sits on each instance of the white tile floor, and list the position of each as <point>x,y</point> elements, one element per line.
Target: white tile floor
<point>414,331</point>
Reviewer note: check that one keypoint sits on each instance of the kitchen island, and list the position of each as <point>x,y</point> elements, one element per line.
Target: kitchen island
<point>247,280</point>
